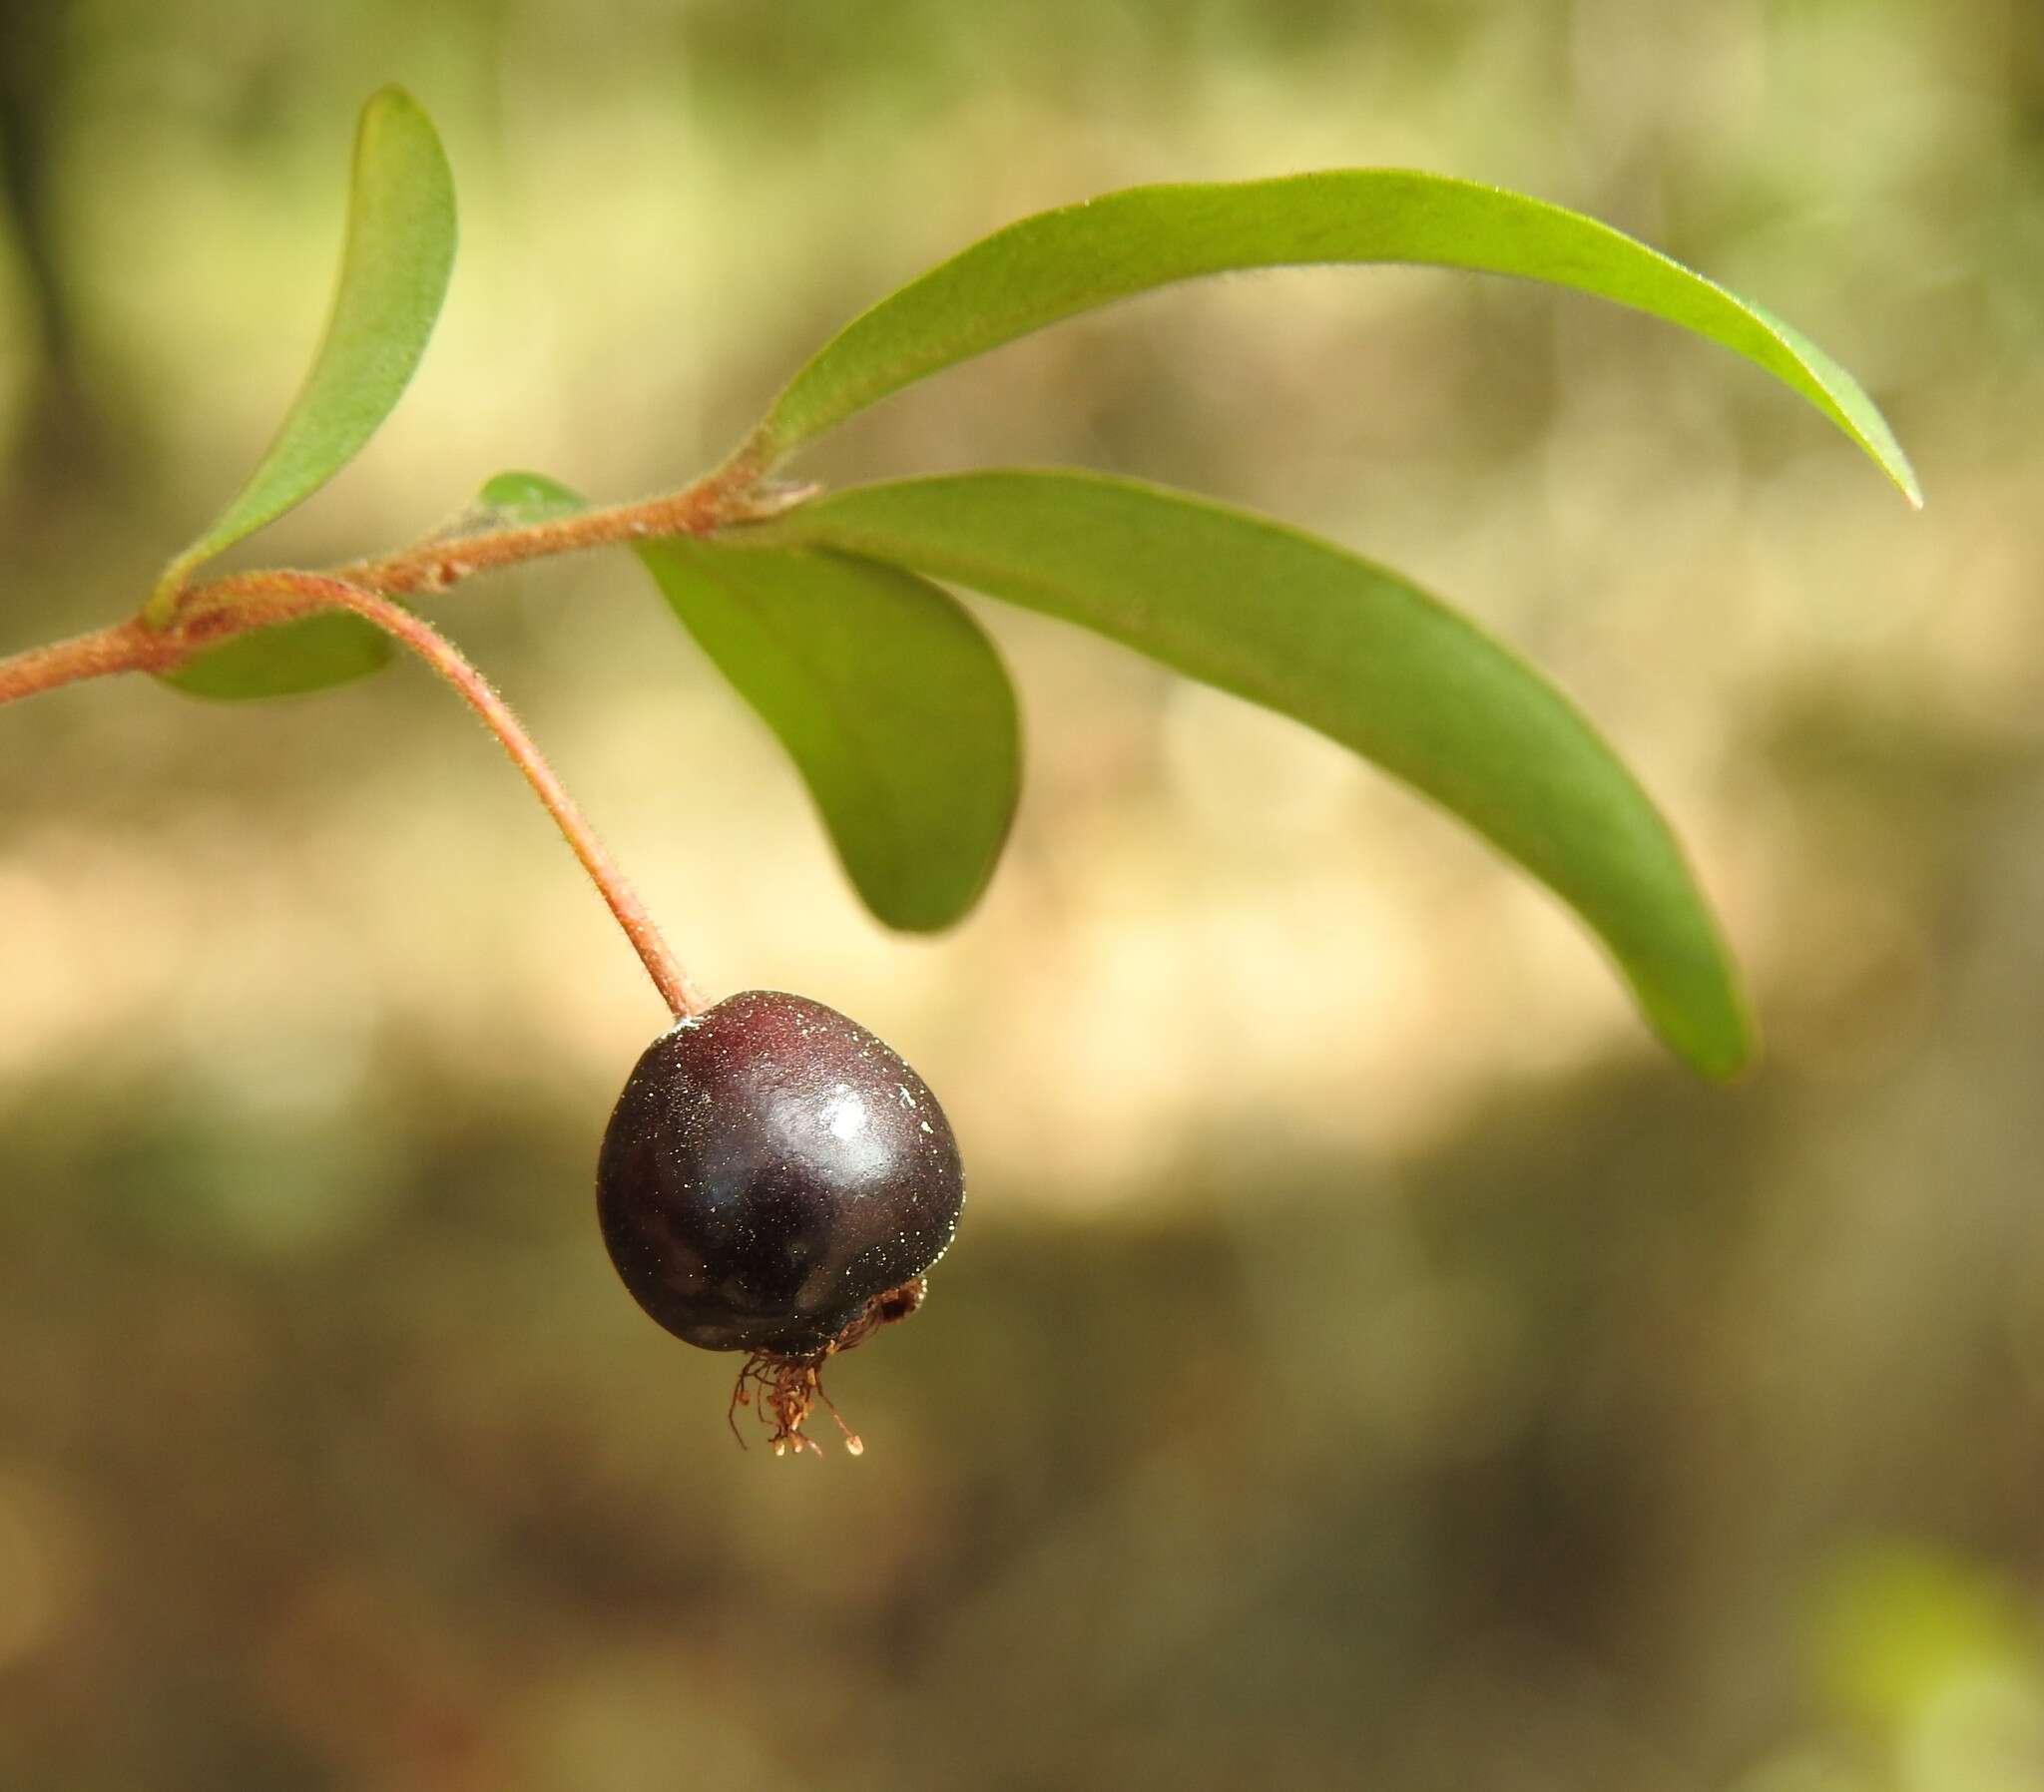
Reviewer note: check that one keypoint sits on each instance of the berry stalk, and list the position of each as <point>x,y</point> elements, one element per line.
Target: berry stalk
<point>674,984</point>
<point>180,623</point>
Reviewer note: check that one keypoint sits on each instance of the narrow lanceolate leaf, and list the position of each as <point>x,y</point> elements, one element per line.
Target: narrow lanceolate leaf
<point>285,660</point>
<point>1058,263</point>
<point>1347,648</point>
<point>393,275</point>
<point>888,696</point>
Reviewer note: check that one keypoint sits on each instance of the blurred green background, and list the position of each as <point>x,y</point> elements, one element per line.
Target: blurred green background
<point>1367,1362</point>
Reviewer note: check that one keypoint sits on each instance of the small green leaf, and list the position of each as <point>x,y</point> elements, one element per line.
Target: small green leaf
<point>393,277</point>
<point>520,497</point>
<point>289,659</point>
<point>1352,650</point>
<point>1058,263</point>
<point>888,696</point>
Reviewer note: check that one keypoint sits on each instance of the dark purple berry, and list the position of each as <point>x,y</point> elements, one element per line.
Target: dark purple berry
<point>776,1180</point>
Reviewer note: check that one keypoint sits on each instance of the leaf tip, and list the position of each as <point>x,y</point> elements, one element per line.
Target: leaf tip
<point>390,99</point>
<point>914,905</point>
<point>1733,1064</point>
<point>529,497</point>
<point>1724,1046</point>
<point>393,108</point>
<point>1895,464</point>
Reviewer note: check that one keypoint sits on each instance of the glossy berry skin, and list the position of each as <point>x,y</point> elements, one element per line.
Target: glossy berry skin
<point>771,1167</point>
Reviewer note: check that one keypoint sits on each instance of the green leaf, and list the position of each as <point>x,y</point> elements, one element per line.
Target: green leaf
<point>888,696</point>
<point>393,275</point>
<point>520,497</point>
<point>289,659</point>
<point>1349,649</point>
<point>1057,263</point>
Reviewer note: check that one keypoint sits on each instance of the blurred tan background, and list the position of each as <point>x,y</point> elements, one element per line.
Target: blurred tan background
<point>1367,1361</point>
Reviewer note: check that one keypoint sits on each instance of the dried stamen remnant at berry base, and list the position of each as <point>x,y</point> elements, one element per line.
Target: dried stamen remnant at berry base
<point>789,1387</point>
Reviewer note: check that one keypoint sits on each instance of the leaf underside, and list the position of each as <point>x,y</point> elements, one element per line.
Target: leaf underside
<point>289,660</point>
<point>885,694</point>
<point>1058,263</point>
<point>1347,648</point>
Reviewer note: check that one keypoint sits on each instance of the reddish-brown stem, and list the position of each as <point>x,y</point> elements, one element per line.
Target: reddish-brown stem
<point>121,647</point>
<point>278,595</point>
<point>708,504</point>
<point>179,621</point>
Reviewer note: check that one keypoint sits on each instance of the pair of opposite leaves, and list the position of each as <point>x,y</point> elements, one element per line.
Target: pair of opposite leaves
<point>889,696</point>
